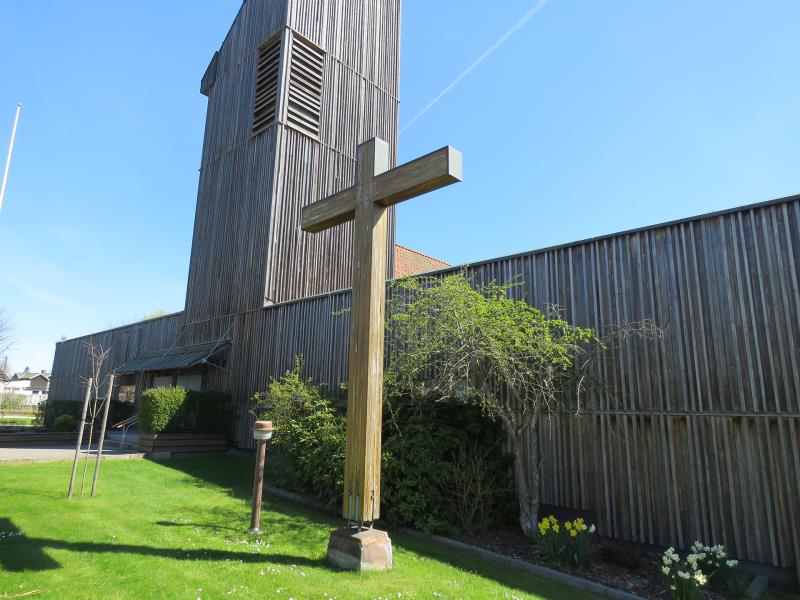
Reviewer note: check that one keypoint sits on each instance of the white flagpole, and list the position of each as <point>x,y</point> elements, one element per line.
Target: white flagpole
<point>8,159</point>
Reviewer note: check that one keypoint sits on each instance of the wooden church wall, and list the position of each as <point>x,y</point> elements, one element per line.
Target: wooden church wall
<point>247,250</point>
<point>702,437</point>
<point>71,364</point>
<point>237,177</point>
<point>360,101</point>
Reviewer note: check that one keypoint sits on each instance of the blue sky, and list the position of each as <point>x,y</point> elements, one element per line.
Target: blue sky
<point>593,117</point>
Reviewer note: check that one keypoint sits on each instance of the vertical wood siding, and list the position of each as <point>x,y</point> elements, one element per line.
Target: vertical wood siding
<point>247,249</point>
<point>701,438</point>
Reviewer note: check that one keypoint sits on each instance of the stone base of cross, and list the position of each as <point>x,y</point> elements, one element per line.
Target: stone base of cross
<point>377,188</point>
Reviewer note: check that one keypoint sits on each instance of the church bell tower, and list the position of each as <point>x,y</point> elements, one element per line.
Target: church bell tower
<point>295,87</point>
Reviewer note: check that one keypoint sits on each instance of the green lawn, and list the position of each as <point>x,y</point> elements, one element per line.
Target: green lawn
<point>15,421</point>
<point>177,529</point>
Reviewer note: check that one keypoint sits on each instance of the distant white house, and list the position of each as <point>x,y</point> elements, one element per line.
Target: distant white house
<point>33,386</point>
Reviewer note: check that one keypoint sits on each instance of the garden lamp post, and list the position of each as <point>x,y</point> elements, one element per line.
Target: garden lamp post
<point>262,432</point>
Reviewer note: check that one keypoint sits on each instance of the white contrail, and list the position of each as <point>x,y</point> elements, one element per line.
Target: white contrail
<point>501,40</point>
<point>10,151</point>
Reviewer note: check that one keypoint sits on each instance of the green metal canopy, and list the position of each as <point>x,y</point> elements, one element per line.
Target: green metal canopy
<point>175,358</point>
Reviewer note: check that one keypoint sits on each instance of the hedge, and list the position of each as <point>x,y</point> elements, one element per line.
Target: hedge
<point>65,423</point>
<point>48,411</point>
<point>444,464</point>
<point>176,410</point>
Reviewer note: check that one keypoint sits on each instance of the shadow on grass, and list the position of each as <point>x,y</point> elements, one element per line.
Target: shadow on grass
<point>200,525</point>
<point>28,554</point>
<point>235,473</point>
<point>24,556</point>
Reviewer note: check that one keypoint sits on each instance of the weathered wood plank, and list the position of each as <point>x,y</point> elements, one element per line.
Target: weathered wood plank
<point>425,174</point>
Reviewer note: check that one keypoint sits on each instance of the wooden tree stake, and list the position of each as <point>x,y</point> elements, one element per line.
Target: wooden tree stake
<point>81,427</point>
<point>102,432</point>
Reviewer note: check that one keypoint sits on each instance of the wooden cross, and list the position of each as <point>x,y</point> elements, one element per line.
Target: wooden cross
<point>376,189</point>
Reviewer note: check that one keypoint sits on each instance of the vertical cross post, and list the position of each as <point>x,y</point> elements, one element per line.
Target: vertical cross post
<point>362,483</point>
<point>377,188</point>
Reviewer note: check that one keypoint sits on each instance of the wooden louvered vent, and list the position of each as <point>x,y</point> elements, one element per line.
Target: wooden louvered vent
<point>304,99</point>
<point>265,106</point>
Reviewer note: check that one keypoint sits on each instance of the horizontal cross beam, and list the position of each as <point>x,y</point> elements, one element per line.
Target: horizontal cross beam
<point>425,174</point>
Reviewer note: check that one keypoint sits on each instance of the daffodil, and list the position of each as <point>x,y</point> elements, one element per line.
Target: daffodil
<point>573,532</point>
<point>544,524</point>
<point>592,529</point>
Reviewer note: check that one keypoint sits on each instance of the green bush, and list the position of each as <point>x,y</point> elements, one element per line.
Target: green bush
<point>309,437</point>
<point>119,411</point>
<point>444,469</point>
<point>443,464</point>
<point>65,423</point>
<point>47,412</point>
<point>176,410</point>
<point>158,409</point>
<point>205,411</point>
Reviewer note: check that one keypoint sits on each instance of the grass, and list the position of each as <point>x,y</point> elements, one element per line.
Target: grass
<point>177,529</point>
<point>15,421</point>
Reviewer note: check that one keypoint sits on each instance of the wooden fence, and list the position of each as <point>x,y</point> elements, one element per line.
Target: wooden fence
<point>701,439</point>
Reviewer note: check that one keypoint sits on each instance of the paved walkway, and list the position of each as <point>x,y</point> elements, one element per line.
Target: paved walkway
<point>46,452</point>
<point>49,452</point>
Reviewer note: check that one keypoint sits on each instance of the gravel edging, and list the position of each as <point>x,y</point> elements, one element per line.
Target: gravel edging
<point>533,569</point>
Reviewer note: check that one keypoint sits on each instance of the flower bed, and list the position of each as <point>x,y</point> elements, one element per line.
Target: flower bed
<point>633,569</point>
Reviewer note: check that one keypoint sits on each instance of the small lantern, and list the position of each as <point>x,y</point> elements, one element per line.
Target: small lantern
<point>262,431</point>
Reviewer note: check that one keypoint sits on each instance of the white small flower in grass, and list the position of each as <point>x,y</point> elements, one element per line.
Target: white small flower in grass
<point>665,570</point>
<point>683,575</point>
<point>666,560</point>
<point>673,588</point>
<point>732,563</point>
<point>592,529</point>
